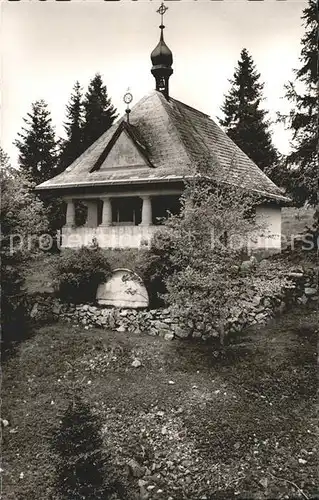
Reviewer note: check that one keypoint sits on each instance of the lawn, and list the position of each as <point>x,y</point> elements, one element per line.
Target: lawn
<point>201,424</point>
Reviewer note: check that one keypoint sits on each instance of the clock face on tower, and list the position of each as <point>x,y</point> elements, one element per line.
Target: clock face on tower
<point>128,98</point>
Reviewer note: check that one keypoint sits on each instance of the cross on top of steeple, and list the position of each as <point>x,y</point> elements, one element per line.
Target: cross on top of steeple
<point>162,59</point>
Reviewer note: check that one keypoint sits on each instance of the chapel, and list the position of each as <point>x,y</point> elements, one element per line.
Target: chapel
<point>133,175</point>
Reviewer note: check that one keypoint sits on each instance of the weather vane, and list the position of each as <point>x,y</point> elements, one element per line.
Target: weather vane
<point>162,9</point>
<point>128,98</point>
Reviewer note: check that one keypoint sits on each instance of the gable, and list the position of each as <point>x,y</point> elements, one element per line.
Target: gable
<point>123,150</point>
<point>123,154</point>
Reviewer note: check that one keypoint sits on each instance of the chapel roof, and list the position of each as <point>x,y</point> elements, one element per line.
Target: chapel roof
<point>173,139</point>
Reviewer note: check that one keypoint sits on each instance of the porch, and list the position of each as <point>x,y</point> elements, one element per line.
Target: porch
<point>117,221</point>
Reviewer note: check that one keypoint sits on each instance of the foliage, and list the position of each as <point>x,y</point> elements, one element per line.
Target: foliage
<point>37,144</point>
<point>38,157</point>
<point>79,272</point>
<point>156,266</point>
<point>23,220</point>
<point>99,113</point>
<point>244,119</point>
<point>206,241</point>
<point>22,213</point>
<point>81,464</point>
<point>302,162</point>
<point>72,146</point>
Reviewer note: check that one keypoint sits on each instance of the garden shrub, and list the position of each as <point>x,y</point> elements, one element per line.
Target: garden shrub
<point>123,258</point>
<point>206,241</point>
<point>14,317</point>
<point>155,266</point>
<point>77,273</point>
<point>22,216</point>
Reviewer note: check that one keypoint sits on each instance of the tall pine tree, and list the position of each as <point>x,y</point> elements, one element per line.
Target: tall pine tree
<point>38,158</point>
<point>99,111</point>
<point>73,146</point>
<point>244,120</point>
<point>37,144</point>
<point>302,162</point>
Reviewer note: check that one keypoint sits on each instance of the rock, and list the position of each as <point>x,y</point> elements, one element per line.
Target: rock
<point>181,333</point>
<point>302,461</point>
<point>121,328</point>
<point>136,363</point>
<point>302,300</point>
<point>256,300</point>
<point>295,274</point>
<point>135,469</point>
<point>247,265</point>
<point>160,325</point>
<point>4,422</point>
<point>310,291</point>
<point>197,334</point>
<point>35,310</point>
<point>56,308</point>
<point>169,336</point>
<point>153,332</point>
<point>260,317</point>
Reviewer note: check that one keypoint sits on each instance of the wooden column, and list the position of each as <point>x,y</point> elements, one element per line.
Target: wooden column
<point>70,213</point>
<point>106,211</point>
<point>146,211</point>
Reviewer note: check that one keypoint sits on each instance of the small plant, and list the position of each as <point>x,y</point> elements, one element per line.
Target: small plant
<point>81,465</point>
<point>77,273</point>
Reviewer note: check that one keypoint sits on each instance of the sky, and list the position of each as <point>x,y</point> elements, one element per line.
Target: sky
<point>47,46</point>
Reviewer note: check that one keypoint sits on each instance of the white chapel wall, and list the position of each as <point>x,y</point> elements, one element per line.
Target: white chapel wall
<point>268,237</point>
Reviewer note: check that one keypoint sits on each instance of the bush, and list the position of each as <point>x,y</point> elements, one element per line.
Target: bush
<point>14,318</point>
<point>155,266</point>
<point>77,274</point>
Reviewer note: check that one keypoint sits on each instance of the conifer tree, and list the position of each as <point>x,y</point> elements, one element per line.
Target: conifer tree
<point>72,147</point>
<point>81,471</point>
<point>98,111</point>
<point>37,144</point>
<point>244,120</point>
<point>38,158</point>
<point>302,162</point>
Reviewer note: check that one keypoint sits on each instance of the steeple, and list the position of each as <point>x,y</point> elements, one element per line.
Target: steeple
<point>162,59</point>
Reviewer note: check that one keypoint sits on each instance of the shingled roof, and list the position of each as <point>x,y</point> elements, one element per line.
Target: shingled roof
<point>172,139</point>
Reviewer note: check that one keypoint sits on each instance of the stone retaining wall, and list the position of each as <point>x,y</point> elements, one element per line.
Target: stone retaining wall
<point>303,290</point>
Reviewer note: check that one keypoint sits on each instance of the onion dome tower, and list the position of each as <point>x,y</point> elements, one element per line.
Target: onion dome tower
<point>162,59</point>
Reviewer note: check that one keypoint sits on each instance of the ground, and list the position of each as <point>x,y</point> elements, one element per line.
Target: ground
<point>198,424</point>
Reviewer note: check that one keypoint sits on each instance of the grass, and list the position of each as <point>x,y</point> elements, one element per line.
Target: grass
<point>238,424</point>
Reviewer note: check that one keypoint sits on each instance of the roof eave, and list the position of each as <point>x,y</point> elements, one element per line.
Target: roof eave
<point>284,200</point>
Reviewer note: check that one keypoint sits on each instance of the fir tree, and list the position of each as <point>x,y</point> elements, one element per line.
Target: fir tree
<point>73,145</point>
<point>99,111</point>
<point>37,144</point>
<point>244,120</point>
<point>81,465</point>
<point>38,158</point>
<point>302,162</point>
